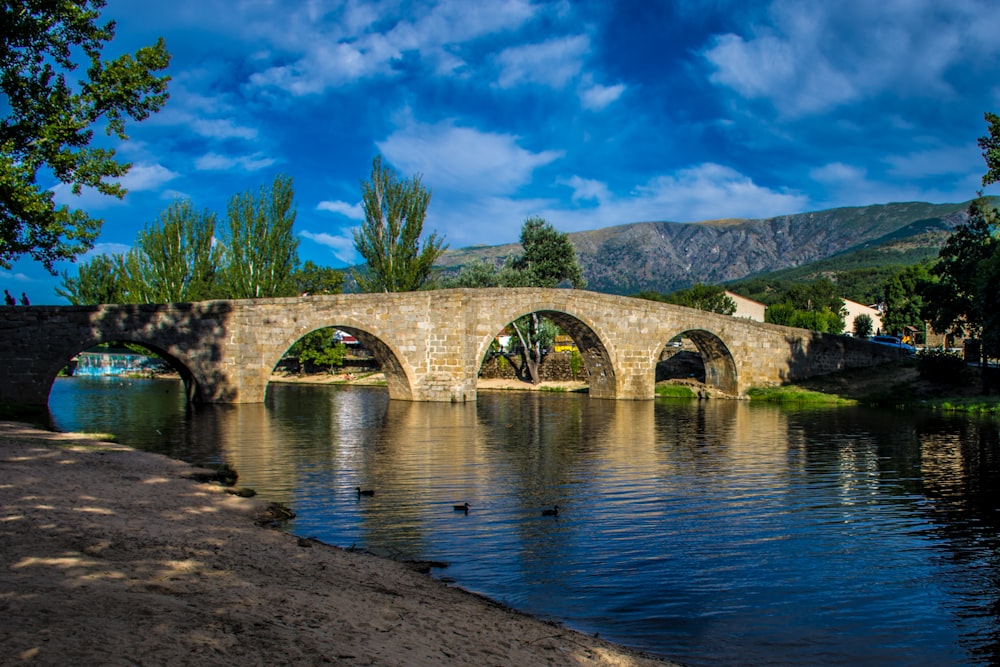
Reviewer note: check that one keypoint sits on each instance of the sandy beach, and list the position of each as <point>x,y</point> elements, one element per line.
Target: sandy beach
<point>113,556</point>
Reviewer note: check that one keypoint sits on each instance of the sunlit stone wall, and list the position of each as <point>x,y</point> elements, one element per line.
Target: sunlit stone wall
<point>429,344</point>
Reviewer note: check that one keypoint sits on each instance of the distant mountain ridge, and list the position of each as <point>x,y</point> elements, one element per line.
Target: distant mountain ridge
<point>666,256</point>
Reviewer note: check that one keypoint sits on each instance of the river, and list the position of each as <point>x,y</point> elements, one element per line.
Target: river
<point>709,532</point>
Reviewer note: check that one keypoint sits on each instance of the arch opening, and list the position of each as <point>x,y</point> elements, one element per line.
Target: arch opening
<point>127,358</point>
<point>698,356</point>
<point>348,351</point>
<point>581,354</point>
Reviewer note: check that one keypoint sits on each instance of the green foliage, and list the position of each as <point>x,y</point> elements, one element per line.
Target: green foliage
<point>955,303</point>
<point>943,367</point>
<point>712,298</point>
<point>991,149</point>
<point>549,257</point>
<point>675,391</point>
<point>315,279</point>
<point>481,273</point>
<point>863,326</point>
<point>319,349</point>
<point>794,394</point>
<point>173,259</point>
<point>389,238</point>
<point>902,298</point>
<point>50,113</point>
<point>575,363</point>
<point>178,258</point>
<point>97,281</point>
<point>816,306</point>
<point>261,250</point>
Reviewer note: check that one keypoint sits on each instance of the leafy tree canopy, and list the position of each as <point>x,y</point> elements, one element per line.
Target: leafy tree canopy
<point>389,238</point>
<point>955,303</point>
<point>315,279</point>
<point>261,250</point>
<point>50,113</point>
<point>549,257</point>
<point>712,298</point>
<point>179,257</point>
<point>991,149</point>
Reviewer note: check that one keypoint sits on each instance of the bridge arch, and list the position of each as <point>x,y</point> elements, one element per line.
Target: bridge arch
<point>398,374</point>
<point>720,367</point>
<point>596,356</point>
<point>189,373</point>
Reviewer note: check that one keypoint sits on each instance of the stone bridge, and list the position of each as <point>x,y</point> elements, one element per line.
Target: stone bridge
<point>430,344</point>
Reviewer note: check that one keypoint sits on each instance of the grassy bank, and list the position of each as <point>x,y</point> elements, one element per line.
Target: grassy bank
<point>895,385</point>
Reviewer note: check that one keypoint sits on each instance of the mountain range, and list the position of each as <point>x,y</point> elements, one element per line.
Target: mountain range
<point>667,256</point>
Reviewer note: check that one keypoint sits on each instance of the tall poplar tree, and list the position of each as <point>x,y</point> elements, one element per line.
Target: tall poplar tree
<point>389,238</point>
<point>48,115</point>
<point>97,281</point>
<point>261,251</point>
<point>174,259</point>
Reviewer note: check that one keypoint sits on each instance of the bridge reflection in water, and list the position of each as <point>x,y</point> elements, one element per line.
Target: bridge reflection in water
<point>712,532</point>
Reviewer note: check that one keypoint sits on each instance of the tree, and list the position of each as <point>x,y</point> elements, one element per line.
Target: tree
<point>816,306</point>
<point>174,259</point>
<point>315,279</point>
<point>901,298</point>
<point>953,304</point>
<point>549,259</point>
<point>389,238</point>
<point>549,256</point>
<point>319,349</point>
<point>261,251</point>
<point>863,326</point>
<point>991,149</point>
<point>97,281</point>
<point>50,113</point>
<point>711,298</point>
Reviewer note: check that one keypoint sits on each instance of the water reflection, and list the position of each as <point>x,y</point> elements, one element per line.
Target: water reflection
<point>713,532</point>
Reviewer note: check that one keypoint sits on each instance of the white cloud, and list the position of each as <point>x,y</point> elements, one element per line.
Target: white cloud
<point>218,162</point>
<point>17,276</point>
<point>596,97</point>
<point>105,249</point>
<point>222,128</point>
<point>701,192</point>
<point>553,63</point>
<point>173,195</point>
<point>463,159</point>
<point>941,161</point>
<point>838,173</point>
<point>342,245</point>
<point>145,177</point>
<point>586,189</point>
<point>338,48</point>
<point>352,211</point>
<point>709,191</point>
<point>810,57</point>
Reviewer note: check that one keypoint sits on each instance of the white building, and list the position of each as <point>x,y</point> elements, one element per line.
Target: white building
<point>854,309</point>
<point>748,308</point>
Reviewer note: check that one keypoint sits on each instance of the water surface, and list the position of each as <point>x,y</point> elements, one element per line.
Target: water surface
<point>710,532</point>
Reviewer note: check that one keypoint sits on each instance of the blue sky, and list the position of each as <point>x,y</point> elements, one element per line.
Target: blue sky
<point>589,114</point>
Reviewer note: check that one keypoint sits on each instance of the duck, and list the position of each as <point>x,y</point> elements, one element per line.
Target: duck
<point>461,508</point>
<point>364,492</point>
<point>552,512</point>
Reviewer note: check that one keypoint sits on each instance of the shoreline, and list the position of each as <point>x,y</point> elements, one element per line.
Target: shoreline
<point>116,556</point>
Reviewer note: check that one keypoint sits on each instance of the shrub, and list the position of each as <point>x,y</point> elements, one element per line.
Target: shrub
<point>937,365</point>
